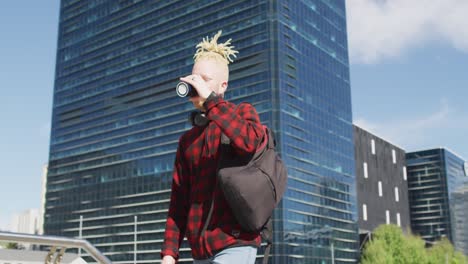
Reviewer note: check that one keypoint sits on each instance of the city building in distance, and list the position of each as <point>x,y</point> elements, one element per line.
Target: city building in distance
<point>382,186</point>
<point>437,183</point>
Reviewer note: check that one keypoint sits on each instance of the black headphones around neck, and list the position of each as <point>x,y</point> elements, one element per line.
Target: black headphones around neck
<point>198,118</point>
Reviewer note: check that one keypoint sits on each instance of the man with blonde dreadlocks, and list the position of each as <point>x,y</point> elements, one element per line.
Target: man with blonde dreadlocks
<point>194,180</point>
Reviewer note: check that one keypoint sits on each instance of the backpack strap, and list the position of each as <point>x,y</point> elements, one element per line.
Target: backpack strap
<point>208,218</point>
<point>224,140</point>
<point>271,137</point>
<point>266,255</point>
<point>267,235</point>
<point>267,231</point>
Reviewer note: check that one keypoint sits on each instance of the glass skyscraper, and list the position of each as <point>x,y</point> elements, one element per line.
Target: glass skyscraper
<point>116,118</point>
<point>459,216</point>
<point>435,179</point>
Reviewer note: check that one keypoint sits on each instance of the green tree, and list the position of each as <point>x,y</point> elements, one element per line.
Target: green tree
<point>390,246</point>
<point>12,245</point>
<point>414,250</point>
<point>375,252</point>
<point>444,252</point>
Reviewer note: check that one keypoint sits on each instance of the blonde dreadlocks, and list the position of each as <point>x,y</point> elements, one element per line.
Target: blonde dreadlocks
<point>211,49</point>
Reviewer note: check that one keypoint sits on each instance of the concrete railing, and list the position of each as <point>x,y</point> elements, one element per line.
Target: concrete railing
<point>55,242</point>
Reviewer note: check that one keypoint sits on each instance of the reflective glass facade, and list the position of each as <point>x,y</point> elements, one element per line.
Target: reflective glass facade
<point>315,123</point>
<point>459,216</point>
<point>435,177</point>
<point>116,119</point>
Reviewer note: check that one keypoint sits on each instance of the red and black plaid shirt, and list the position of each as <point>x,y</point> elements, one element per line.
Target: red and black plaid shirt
<point>194,181</point>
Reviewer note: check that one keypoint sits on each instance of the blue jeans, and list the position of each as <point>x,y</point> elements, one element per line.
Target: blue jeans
<point>234,255</point>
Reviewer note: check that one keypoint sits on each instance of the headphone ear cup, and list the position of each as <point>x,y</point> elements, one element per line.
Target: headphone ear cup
<point>192,117</point>
<point>201,119</point>
<point>198,119</point>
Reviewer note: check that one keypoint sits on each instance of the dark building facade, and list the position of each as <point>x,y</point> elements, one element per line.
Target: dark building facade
<point>381,179</point>
<point>459,216</point>
<point>116,119</point>
<point>436,178</point>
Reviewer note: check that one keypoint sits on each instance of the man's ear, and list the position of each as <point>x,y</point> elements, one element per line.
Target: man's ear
<point>223,87</point>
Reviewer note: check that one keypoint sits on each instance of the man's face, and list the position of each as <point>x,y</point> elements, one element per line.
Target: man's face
<point>215,75</point>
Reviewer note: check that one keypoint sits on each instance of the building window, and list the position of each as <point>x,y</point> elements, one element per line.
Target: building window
<point>394,156</point>
<point>404,173</point>
<point>365,170</point>
<point>380,189</point>
<point>364,212</point>
<point>397,196</point>
<point>398,219</point>
<point>387,217</point>
<point>373,146</point>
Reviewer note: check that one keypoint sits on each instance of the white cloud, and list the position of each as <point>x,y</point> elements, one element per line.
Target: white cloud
<point>419,132</point>
<point>380,29</point>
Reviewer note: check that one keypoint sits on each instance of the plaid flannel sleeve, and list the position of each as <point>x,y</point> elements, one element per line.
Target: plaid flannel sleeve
<point>243,126</point>
<point>178,209</point>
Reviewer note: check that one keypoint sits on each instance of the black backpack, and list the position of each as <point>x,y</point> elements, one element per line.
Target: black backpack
<point>252,186</point>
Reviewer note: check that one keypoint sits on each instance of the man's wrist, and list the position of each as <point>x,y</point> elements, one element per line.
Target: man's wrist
<point>211,101</point>
<point>212,96</point>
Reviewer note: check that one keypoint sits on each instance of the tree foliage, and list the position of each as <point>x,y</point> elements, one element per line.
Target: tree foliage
<point>389,245</point>
<point>12,245</point>
<point>444,252</point>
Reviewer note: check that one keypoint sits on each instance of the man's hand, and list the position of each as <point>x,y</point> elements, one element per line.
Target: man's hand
<point>199,84</point>
<point>168,260</point>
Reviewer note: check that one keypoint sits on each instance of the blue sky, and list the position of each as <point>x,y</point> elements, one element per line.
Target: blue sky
<point>27,62</point>
<point>409,79</point>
